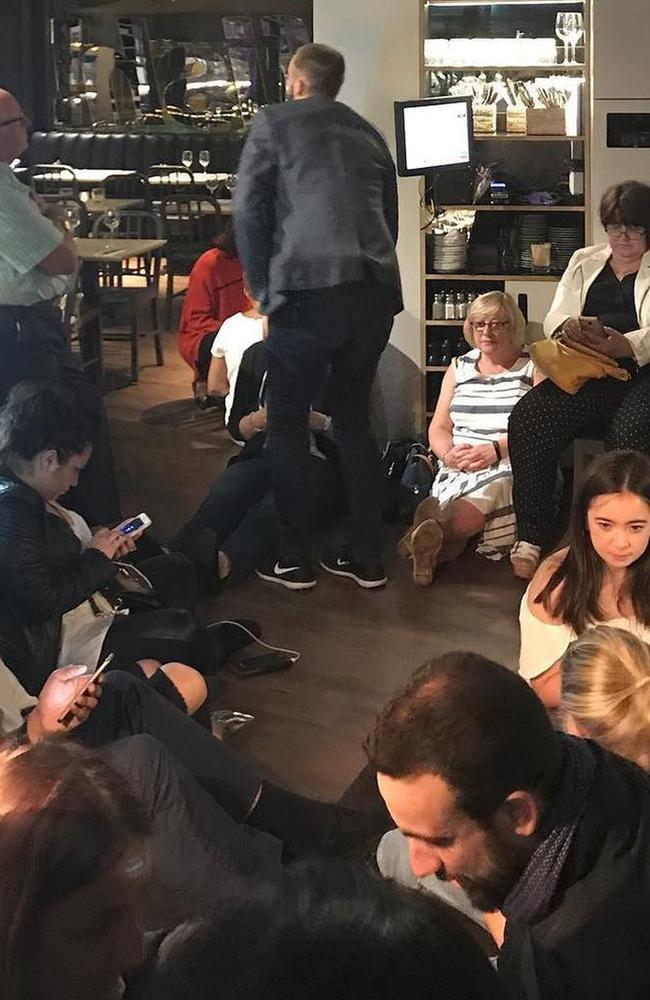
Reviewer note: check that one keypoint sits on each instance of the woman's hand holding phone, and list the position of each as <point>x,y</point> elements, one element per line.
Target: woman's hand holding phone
<point>66,690</point>
<point>112,543</point>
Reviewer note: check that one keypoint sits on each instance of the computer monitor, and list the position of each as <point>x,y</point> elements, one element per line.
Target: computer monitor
<point>433,134</point>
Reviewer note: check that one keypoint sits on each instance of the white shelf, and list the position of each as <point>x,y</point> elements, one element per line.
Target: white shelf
<point>579,209</point>
<point>516,137</point>
<point>554,68</point>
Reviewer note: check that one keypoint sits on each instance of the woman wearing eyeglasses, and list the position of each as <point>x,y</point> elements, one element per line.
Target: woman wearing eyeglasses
<point>602,302</point>
<point>472,492</point>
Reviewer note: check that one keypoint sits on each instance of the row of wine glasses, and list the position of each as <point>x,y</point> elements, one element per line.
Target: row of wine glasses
<point>187,158</point>
<point>569,28</point>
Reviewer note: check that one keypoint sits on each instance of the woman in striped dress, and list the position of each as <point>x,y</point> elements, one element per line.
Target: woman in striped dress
<point>472,492</point>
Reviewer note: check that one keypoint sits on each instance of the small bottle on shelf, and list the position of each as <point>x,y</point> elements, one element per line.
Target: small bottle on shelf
<point>450,306</point>
<point>434,355</point>
<point>447,351</point>
<point>461,306</point>
<point>438,309</point>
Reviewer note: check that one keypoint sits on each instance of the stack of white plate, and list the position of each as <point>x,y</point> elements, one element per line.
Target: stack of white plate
<point>564,240</point>
<point>450,251</point>
<point>532,229</point>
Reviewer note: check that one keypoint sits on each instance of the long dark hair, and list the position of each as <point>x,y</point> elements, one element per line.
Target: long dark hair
<point>582,572</point>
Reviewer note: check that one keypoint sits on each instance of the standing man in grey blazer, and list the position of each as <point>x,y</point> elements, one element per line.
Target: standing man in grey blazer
<point>316,227</point>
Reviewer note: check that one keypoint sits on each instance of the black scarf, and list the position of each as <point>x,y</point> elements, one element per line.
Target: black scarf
<point>529,900</point>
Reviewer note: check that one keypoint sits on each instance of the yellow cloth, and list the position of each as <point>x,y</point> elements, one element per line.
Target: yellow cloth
<point>571,367</point>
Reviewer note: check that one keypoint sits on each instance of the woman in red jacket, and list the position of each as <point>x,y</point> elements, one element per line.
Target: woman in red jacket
<point>215,292</point>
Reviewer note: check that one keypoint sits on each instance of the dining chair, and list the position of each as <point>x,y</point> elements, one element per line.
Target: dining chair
<point>133,281</point>
<point>191,225</point>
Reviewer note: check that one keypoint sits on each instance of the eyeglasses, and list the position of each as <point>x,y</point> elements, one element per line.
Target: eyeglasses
<point>14,121</point>
<point>616,229</point>
<point>493,324</point>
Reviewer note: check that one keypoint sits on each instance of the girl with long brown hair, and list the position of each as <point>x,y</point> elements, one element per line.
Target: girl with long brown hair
<point>600,576</point>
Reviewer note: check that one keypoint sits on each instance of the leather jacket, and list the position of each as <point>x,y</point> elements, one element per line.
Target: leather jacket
<point>43,573</point>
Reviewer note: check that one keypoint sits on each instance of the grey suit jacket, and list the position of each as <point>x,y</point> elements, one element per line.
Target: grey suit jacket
<point>316,202</point>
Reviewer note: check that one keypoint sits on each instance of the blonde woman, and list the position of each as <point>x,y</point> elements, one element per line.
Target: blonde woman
<point>606,691</point>
<point>472,492</point>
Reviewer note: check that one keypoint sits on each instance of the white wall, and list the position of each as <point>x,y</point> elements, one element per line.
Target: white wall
<point>380,40</point>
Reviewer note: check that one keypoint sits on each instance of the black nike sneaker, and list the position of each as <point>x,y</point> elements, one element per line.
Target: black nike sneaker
<point>292,575</point>
<point>370,576</point>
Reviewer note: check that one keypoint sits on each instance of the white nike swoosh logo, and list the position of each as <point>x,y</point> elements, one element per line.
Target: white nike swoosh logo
<point>281,571</point>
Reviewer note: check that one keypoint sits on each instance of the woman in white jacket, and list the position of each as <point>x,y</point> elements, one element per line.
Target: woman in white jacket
<point>609,282</point>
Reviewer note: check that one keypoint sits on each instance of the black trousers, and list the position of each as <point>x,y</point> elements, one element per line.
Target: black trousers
<point>204,356</point>
<point>240,514</point>
<point>346,328</point>
<point>546,420</point>
<point>32,349</point>
<point>195,792</point>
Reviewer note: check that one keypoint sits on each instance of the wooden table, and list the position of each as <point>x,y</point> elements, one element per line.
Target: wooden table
<point>98,206</point>
<point>93,252</point>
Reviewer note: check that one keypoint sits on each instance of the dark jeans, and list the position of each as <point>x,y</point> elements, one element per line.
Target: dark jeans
<point>240,513</point>
<point>546,420</point>
<point>195,792</point>
<point>204,356</point>
<point>347,328</point>
<point>129,706</point>
<point>32,349</point>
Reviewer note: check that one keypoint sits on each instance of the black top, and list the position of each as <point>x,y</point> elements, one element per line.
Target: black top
<point>594,942</point>
<point>612,301</point>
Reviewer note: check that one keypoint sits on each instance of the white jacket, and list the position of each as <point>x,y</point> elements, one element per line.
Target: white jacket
<point>583,269</point>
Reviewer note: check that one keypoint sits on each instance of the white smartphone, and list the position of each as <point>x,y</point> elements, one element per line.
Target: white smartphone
<point>134,525</point>
<point>66,718</point>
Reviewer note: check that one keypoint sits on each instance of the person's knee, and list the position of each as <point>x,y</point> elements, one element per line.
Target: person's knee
<point>464,520</point>
<point>189,683</point>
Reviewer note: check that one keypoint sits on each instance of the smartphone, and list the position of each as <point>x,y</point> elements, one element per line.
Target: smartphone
<point>134,525</point>
<point>68,716</point>
<point>593,325</point>
<point>269,663</point>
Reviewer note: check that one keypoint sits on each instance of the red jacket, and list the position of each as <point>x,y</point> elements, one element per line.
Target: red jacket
<point>215,292</point>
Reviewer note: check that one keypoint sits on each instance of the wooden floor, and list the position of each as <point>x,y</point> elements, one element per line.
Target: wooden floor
<point>356,647</point>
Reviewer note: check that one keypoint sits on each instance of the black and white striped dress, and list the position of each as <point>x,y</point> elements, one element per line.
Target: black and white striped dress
<point>480,408</point>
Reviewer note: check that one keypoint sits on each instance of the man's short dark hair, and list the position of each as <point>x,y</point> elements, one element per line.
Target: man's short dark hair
<point>322,66</point>
<point>475,724</point>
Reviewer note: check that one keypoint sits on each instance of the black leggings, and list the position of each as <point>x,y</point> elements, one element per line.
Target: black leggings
<point>547,420</point>
<point>204,356</point>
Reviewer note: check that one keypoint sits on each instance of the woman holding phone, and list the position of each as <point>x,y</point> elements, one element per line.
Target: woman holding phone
<point>602,302</point>
<point>56,602</point>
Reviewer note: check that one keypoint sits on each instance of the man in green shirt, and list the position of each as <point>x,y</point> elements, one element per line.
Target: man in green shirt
<point>37,261</point>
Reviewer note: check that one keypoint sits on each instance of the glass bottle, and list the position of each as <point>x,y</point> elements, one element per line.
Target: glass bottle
<point>461,306</point>
<point>438,311</point>
<point>450,306</point>
<point>447,351</point>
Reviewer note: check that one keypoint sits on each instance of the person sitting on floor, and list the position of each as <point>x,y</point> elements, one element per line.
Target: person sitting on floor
<point>235,527</point>
<point>601,574</point>
<point>204,805</point>
<point>472,492</point>
<point>332,932</point>
<point>552,830</point>
<point>214,293</point>
<point>606,692</point>
<point>235,336</point>
<point>53,604</point>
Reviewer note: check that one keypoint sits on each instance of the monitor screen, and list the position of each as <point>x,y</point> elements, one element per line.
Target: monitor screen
<point>433,134</point>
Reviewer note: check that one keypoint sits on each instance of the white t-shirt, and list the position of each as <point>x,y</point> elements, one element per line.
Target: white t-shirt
<point>235,336</point>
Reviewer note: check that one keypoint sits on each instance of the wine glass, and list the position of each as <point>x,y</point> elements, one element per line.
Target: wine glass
<point>561,30</point>
<point>72,218</point>
<point>212,183</point>
<point>575,30</point>
<point>204,158</point>
<point>111,219</point>
<point>187,156</point>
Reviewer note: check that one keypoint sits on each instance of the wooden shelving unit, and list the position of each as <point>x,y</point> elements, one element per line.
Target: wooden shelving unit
<point>533,19</point>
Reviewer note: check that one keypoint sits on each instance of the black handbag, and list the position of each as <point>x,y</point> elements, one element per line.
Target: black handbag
<point>131,589</point>
<point>417,479</point>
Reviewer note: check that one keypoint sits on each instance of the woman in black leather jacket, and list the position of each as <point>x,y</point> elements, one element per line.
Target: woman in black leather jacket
<point>54,571</point>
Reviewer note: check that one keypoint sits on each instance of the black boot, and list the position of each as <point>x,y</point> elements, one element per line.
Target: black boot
<point>306,826</point>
